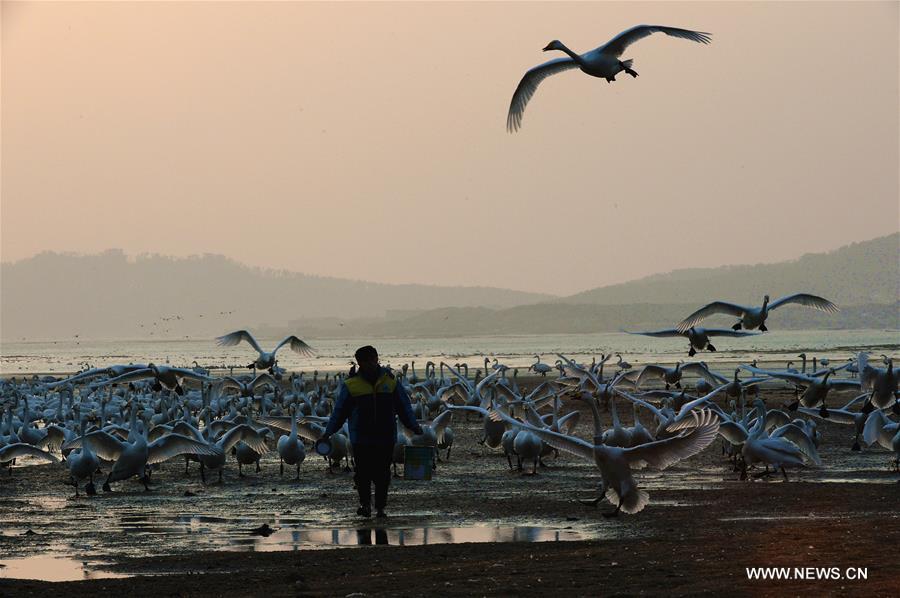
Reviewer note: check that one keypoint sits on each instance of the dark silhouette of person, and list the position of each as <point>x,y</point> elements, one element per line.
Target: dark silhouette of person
<point>372,400</point>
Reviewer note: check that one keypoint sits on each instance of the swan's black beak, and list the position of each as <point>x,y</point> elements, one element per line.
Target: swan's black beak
<point>548,47</point>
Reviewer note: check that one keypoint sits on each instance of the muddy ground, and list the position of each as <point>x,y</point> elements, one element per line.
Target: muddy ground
<point>702,528</point>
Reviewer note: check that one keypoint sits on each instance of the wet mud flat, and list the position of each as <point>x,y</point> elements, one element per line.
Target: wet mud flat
<point>476,528</point>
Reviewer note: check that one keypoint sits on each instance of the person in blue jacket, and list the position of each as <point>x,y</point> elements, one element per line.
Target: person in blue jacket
<point>372,399</point>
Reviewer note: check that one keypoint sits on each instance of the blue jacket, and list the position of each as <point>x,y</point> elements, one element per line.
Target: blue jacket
<point>372,410</point>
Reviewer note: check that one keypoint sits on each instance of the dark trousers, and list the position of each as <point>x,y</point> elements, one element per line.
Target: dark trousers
<point>373,465</point>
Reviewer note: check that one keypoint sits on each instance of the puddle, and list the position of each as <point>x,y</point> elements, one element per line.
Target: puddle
<point>52,568</point>
<point>307,539</point>
<point>59,567</point>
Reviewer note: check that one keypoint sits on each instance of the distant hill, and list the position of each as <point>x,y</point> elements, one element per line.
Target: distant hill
<point>857,274</point>
<point>56,296</point>
<point>862,278</point>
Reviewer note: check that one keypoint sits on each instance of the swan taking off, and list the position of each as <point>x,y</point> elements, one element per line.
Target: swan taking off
<point>266,360</point>
<point>755,317</point>
<point>602,62</point>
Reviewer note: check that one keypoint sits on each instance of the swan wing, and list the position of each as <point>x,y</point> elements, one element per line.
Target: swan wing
<point>479,410</point>
<point>806,300</point>
<point>569,444</point>
<point>650,371</point>
<point>620,43</point>
<point>694,404</point>
<point>651,408</point>
<point>233,338</point>
<point>660,454</point>
<point>875,422</point>
<point>844,384</point>
<point>310,430</point>
<point>55,438</point>
<point>187,429</point>
<point>658,395</point>
<point>698,369</point>
<point>798,436</point>
<point>282,422</point>
<point>800,379</point>
<point>174,445</point>
<point>77,377</point>
<point>297,346</point>
<point>729,332</point>
<point>665,332</point>
<point>855,400</point>
<point>103,444</point>
<point>440,423</point>
<point>733,432</point>
<point>529,84</point>
<point>569,422</point>
<point>837,416</point>
<point>21,449</point>
<point>248,435</point>
<point>129,377</point>
<point>776,418</point>
<point>263,380</point>
<point>716,307</point>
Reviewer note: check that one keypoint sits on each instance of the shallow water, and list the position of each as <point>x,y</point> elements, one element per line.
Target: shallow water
<point>777,347</point>
<point>52,568</point>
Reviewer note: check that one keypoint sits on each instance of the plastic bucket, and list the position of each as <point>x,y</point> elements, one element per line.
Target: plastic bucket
<point>323,447</point>
<point>417,461</point>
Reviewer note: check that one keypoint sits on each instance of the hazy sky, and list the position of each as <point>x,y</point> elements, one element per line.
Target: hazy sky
<point>368,140</point>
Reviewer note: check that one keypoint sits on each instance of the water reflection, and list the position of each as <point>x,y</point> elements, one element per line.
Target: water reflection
<point>294,539</point>
<point>52,568</point>
<point>364,536</point>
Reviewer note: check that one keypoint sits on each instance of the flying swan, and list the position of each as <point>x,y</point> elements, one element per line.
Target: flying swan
<point>602,62</point>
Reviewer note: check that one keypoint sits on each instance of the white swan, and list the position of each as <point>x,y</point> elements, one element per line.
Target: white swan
<point>164,376</point>
<point>623,365</point>
<point>885,432</point>
<point>881,382</point>
<point>816,388</point>
<point>755,317</point>
<point>82,464</point>
<point>134,455</point>
<point>266,360</point>
<point>248,388</point>
<point>540,368</point>
<point>290,447</point>
<point>602,62</point>
<point>673,375</point>
<point>844,415</point>
<point>616,463</point>
<point>777,452</point>
<point>21,449</point>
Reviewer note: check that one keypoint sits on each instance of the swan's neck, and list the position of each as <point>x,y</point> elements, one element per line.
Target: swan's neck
<point>598,425</point>
<point>576,57</point>
<point>615,414</point>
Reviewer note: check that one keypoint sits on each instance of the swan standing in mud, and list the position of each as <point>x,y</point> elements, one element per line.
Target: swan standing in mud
<point>290,447</point>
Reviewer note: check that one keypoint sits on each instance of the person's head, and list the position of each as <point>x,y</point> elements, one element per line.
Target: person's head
<point>367,358</point>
